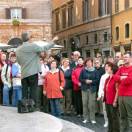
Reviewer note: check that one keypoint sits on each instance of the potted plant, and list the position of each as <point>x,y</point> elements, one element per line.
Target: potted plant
<point>15,22</point>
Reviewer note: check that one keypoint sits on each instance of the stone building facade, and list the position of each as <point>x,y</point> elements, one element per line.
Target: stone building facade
<point>83,25</point>
<point>122,25</point>
<point>34,17</point>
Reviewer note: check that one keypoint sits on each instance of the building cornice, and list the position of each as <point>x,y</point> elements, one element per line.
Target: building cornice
<point>118,13</point>
<point>89,31</point>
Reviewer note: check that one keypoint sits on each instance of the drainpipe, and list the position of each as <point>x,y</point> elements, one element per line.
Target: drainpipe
<point>111,46</point>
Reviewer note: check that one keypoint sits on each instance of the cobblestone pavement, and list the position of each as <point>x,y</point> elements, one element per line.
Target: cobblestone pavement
<point>98,127</point>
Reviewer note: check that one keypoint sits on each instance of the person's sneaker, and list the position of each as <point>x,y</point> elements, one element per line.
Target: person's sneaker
<point>93,122</point>
<point>85,121</point>
<point>106,124</point>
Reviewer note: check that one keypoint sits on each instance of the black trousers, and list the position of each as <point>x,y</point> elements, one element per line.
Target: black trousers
<point>29,87</point>
<point>42,101</point>
<point>1,92</point>
<point>113,118</point>
<point>78,102</point>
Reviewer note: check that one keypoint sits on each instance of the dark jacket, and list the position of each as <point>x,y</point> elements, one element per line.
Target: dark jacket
<point>68,80</point>
<point>100,71</point>
<point>90,75</point>
<point>73,64</point>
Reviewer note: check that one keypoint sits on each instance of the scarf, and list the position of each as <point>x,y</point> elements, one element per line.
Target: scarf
<point>54,70</point>
<point>90,69</point>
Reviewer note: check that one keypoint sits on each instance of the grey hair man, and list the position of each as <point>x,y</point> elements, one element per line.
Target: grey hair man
<point>28,58</point>
<point>74,62</point>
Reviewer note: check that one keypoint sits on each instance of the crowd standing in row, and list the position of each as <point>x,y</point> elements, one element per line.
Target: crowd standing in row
<point>71,86</point>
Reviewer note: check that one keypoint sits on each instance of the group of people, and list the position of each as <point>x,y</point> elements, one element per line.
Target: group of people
<point>10,79</point>
<point>84,87</point>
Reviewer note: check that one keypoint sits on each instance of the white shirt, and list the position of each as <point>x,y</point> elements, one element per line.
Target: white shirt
<point>101,85</point>
<point>44,69</point>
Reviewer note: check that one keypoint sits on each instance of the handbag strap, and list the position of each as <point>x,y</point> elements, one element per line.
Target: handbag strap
<point>6,71</point>
<point>59,76</point>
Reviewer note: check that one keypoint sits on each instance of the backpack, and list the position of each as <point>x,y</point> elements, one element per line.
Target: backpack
<point>26,106</point>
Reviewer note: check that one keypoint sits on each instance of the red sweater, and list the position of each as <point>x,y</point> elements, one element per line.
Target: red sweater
<point>125,85</point>
<point>109,90</point>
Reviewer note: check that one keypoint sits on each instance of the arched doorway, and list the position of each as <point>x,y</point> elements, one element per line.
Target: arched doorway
<point>15,42</point>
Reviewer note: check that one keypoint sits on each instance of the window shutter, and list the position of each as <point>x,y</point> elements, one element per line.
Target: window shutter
<point>109,6</point>
<point>99,8</point>
<point>8,13</point>
<point>24,13</point>
<point>126,4</point>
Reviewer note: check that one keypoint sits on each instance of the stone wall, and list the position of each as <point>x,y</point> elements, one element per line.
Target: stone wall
<point>38,32</point>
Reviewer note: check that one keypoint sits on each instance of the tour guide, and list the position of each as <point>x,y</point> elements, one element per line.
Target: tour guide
<point>28,58</point>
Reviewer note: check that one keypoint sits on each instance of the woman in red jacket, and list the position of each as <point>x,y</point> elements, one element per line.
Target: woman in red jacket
<point>110,99</point>
<point>76,87</point>
<point>53,86</point>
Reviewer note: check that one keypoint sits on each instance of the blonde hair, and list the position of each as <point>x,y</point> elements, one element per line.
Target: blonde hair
<point>64,60</point>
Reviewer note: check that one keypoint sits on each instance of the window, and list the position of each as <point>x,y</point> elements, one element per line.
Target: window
<point>95,38</point>
<point>96,51</point>
<point>126,4</point>
<point>87,39</point>
<point>85,10</point>
<point>105,36</point>
<point>70,15</point>
<point>102,7</point>
<point>127,30</point>
<point>64,44</point>
<point>117,33</point>
<point>88,53</point>
<point>107,53</point>
<point>109,6</point>
<point>15,12</point>
<point>64,18</point>
<point>116,5</point>
<point>57,18</point>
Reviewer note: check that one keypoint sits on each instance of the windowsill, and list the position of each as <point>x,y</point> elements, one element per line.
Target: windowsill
<point>8,21</point>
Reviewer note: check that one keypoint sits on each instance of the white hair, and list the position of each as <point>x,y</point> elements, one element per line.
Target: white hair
<point>77,53</point>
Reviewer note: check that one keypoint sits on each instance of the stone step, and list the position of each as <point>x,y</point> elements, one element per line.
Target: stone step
<point>11,121</point>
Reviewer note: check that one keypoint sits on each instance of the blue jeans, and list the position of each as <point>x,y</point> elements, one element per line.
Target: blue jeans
<point>6,95</point>
<point>55,107</point>
<point>17,95</point>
